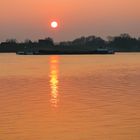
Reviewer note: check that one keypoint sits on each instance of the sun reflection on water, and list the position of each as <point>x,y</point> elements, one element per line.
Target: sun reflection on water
<point>54,80</point>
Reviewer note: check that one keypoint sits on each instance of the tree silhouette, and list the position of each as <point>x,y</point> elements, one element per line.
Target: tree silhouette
<point>122,43</point>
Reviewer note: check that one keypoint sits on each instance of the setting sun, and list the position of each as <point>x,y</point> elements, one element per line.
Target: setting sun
<point>54,24</point>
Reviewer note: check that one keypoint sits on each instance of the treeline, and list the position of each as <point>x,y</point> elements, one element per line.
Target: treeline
<point>121,43</point>
<point>11,45</point>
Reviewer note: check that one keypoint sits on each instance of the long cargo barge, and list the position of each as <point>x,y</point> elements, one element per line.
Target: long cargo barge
<point>66,52</point>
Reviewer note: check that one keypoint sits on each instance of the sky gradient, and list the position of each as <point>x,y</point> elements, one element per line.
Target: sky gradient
<point>23,19</point>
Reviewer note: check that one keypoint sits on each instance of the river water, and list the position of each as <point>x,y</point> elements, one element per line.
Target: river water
<point>83,97</point>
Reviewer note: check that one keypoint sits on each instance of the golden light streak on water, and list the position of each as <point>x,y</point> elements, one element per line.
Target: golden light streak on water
<point>54,80</point>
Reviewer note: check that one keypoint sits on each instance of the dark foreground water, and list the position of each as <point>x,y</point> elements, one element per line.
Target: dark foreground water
<point>70,97</point>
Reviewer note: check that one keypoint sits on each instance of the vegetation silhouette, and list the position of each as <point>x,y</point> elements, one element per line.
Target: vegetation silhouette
<point>121,43</point>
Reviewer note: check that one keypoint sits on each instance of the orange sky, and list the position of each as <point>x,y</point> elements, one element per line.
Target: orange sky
<point>24,19</point>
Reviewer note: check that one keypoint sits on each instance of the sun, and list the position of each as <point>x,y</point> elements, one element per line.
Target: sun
<point>54,24</point>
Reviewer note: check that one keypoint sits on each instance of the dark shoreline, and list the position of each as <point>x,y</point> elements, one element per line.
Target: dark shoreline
<point>81,45</point>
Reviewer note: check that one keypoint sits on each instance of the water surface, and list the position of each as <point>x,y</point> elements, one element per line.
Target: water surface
<point>70,97</point>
